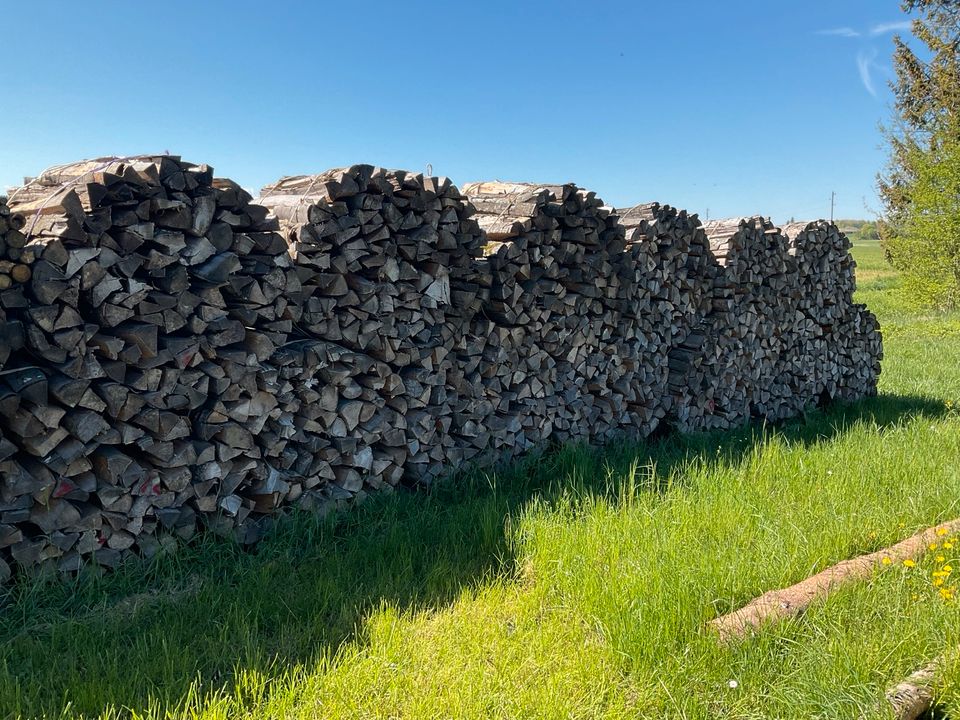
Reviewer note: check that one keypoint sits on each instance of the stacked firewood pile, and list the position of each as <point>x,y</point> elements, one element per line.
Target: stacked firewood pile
<point>145,395</point>
<point>669,255</point>
<point>840,343</point>
<point>15,270</point>
<point>386,262</point>
<point>754,303</point>
<point>562,335</point>
<point>174,353</point>
<point>765,325</point>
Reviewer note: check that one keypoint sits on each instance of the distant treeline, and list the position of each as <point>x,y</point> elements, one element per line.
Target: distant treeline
<point>859,230</point>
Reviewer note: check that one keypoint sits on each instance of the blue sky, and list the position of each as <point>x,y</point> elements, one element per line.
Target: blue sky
<point>727,108</point>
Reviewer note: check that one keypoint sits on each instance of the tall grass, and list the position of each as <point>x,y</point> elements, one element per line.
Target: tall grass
<point>574,585</point>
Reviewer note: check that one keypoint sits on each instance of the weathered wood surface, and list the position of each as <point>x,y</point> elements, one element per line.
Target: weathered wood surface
<point>386,262</point>
<point>913,697</point>
<point>173,353</point>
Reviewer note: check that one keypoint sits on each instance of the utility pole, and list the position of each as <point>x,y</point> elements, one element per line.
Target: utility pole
<point>708,213</point>
<point>833,196</point>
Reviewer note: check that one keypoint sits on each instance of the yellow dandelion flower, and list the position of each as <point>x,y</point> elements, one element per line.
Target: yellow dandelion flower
<point>932,546</point>
<point>886,561</point>
<point>942,531</point>
<point>909,563</point>
<point>938,582</point>
<point>940,573</point>
<point>948,569</point>
<point>940,558</point>
<point>946,593</point>
<point>948,546</point>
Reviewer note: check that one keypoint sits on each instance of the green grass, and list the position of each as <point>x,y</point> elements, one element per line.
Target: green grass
<point>574,585</point>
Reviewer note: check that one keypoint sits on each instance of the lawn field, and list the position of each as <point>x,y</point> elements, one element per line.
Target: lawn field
<point>576,585</point>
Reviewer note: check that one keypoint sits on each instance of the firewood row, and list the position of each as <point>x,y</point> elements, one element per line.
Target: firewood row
<point>175,354</point>
<point>385,260</point>
<point>556,347</point>
<point>844,345</point>
<point>670,255</point>
<point>779,332</point>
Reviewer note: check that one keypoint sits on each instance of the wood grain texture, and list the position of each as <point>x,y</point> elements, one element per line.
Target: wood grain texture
<point>174,354</point>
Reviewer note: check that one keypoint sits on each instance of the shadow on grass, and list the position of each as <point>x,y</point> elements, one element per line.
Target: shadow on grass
<point>145,634</point>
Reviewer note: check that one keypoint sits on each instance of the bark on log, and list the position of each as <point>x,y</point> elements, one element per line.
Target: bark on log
<point>791,601</point>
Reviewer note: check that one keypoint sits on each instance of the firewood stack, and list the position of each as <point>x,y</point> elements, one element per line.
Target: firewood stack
<point>385,260</point>
<point>15,270</point>
<point>682,274</point>
<point>146,277</point>
<point>15,257</point>
<point>560,361</point>
<point>841,342</point>
<point>173,353</point>
<point>755,301</point>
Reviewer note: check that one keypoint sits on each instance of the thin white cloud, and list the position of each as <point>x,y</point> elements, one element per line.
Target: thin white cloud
<point>883,28</point>
<point>873,31</point>
<point>841,32</point>
<point>864,63</point>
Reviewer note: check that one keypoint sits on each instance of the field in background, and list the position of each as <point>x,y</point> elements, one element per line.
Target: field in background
<point>575,585</point>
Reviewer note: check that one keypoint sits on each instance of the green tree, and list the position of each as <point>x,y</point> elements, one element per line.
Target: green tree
<point>868,231</point>
<point>923,151</point>
<point>927,245</point>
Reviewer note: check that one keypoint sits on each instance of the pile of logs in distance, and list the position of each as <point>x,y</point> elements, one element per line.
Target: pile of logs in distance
<point>174,353</point>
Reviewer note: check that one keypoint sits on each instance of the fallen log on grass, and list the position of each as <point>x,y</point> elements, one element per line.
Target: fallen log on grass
<point>913,697</point>
<point>791,601</point>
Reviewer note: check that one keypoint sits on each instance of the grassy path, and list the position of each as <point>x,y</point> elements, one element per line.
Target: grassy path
<point>574,586</point>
